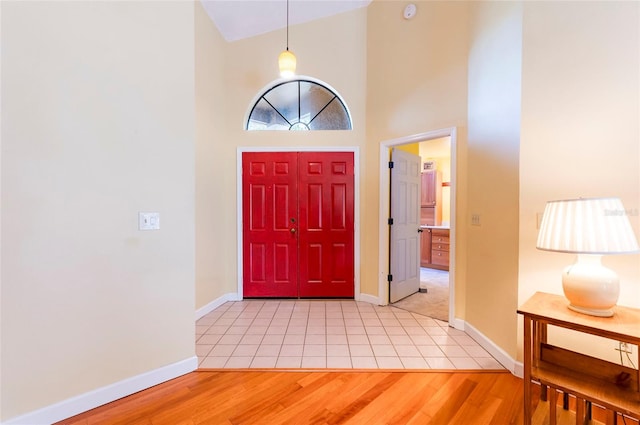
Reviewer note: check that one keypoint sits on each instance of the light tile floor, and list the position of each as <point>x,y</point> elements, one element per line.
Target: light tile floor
<point>331,334</point>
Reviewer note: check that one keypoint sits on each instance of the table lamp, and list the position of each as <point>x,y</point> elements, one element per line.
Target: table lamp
<point>589,228</point>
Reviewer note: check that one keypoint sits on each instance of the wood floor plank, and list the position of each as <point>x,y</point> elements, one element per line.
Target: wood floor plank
<point>346,404</point>
<point>304,401</point>
<point>511,410</point>
<point>319,397</point>
<point>451,385</point>
<point>363,410</point>
<point>454,401</point>
<point>408,403</point>
<point>480,405</point>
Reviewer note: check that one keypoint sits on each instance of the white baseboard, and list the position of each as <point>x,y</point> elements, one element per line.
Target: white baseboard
<point>208,308</point>
<point>498,353</point>
<point>232,296</point>
<point>81,403</point>
<point>518,370</point>
<point>458,324</point>
<point>371,299</point>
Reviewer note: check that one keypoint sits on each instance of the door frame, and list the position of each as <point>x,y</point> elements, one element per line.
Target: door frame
<point>383,244</point>
<point>356,206</point>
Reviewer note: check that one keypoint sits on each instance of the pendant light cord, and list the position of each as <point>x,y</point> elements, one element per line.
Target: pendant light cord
<point>287,25</point>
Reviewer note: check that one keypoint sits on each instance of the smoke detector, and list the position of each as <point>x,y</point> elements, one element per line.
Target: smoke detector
<point>410,11</point>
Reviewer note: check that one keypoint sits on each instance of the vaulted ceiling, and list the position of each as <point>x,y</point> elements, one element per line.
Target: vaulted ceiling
<point>238,19</point>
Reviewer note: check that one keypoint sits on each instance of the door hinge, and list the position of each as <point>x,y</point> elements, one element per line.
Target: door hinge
<point>390,222</point>
<point>390,164</point>
<point>389,277</point>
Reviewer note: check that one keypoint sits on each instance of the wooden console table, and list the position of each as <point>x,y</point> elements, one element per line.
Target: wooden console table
<point>614,387</point>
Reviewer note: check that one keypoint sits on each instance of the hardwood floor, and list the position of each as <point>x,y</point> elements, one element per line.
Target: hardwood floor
<point>320,397</point>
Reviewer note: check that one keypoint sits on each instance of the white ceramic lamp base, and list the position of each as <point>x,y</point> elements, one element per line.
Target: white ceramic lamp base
<point>590,287</point>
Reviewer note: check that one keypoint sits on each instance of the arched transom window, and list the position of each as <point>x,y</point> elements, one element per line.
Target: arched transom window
<point>300,104</point>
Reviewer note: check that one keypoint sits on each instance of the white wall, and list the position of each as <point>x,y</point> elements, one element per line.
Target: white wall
<point>97,125</point>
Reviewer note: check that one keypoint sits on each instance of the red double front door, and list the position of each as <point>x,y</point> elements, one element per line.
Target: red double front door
<point>298,224</point>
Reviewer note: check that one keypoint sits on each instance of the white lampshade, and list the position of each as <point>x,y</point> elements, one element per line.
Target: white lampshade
<point>587,226</point>
<point>590,228</point>
<point>287,64</point>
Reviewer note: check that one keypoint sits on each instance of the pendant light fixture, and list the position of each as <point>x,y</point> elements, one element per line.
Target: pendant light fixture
<point>287,60</point>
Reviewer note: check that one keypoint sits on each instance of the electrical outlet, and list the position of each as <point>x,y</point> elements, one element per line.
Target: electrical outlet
<point>624,347</point>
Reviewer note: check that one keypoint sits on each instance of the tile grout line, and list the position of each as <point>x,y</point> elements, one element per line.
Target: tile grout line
<point>405,320</point>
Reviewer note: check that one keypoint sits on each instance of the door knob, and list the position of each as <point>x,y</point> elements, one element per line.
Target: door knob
<point>293,230</point>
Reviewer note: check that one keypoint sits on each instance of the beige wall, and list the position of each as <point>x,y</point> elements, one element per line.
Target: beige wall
<point>580,129</point>
<point>493,149</point>
<point>247,67</point>
<point>97,125</point>
<point>402,93</point>
<point>416,82</point>
<point>215,261</point>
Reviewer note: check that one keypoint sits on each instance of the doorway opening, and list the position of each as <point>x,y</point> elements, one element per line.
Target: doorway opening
<point>437,152</point>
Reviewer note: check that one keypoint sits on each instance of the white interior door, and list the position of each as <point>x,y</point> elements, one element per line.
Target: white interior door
<point>404,237</point>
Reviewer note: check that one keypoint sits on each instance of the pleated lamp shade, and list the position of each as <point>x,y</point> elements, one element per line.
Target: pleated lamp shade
<point>587,226</point>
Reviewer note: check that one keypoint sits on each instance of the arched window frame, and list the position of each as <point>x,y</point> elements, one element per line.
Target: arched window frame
<point>300,78</point>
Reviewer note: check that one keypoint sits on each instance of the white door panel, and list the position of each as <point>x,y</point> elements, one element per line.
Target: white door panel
<point>405,212</point>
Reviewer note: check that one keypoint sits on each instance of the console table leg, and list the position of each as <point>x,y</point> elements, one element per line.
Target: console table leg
<point>553,406</point>
<point>579,411</point>
<point>527,370</point>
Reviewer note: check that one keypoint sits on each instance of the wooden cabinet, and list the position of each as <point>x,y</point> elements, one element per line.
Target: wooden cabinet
<point>430,188</point>
<point>430,198</point>
<point>440,249</point>
<point>612,386</point>
<point>428,216</point>
<point>435,248</point>
<point>425,248</point>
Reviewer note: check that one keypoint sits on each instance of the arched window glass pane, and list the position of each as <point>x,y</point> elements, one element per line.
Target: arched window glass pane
<point>284,99</point>
<point>313,98</point>
<point>333,117</point>
<point>299,105</point>
<point>266,118</point>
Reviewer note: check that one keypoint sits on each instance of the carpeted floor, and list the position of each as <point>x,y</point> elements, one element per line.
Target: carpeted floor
<point>433,303</point>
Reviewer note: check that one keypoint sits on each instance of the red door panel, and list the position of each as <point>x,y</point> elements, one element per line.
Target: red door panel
<point>326,224</point>
<point>269,198</point>
<point>312,194</point>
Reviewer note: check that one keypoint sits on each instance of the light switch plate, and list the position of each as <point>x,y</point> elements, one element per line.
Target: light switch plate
<point>148,221</point>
